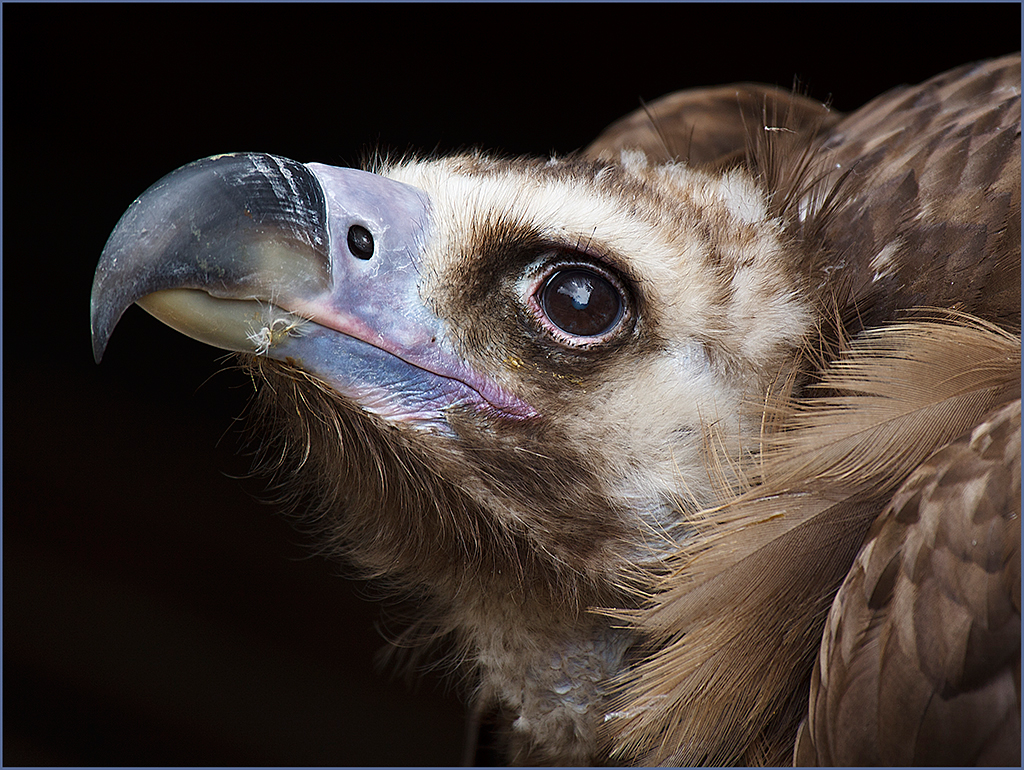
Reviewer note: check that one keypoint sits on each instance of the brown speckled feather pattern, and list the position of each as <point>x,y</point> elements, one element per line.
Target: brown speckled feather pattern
<point>908,215</point>
<point>920,662</point>
<point>934,176</point>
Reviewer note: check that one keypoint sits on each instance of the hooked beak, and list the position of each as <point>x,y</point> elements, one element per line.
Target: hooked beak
<point>309,264</point>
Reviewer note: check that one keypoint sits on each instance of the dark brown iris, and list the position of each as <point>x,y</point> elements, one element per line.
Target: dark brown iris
<point>581,302</point>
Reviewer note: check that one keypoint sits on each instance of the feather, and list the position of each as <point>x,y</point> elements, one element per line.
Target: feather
<point>920,661</point>
<point>898,393</point>
<point>710,127</point>
<point>739,617</point>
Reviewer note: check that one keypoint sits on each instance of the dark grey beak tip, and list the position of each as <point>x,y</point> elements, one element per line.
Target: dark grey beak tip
<point>189,229</point>
<point>100,338</point>
<point>97,350</point>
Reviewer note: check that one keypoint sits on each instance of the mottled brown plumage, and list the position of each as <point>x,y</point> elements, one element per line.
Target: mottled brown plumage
<point>920,663</point>
<point>625,418</point>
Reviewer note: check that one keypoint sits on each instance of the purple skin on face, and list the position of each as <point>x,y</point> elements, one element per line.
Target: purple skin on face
<point>387,385</point>
<point>373,339</point>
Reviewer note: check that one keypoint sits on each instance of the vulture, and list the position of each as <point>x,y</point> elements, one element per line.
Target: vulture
<point>698,446</point>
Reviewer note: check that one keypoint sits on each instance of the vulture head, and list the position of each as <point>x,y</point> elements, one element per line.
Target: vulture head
<point>559,400</point>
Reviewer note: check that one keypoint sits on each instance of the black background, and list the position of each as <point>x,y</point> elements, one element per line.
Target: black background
<point>155,612</point>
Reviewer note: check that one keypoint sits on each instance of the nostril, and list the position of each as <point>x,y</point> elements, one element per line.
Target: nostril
<point>360,242</point>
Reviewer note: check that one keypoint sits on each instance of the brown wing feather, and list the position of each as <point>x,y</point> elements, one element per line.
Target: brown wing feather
<point>930,204</point>
<point>710,126</point>
<point>920,663</point>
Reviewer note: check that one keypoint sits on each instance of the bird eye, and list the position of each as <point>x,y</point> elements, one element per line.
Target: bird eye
<point>360,242</point>
<point>581,302</point>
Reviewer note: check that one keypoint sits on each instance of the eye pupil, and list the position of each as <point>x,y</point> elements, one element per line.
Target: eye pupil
<point>581,302</point>
<point>360,242</point>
